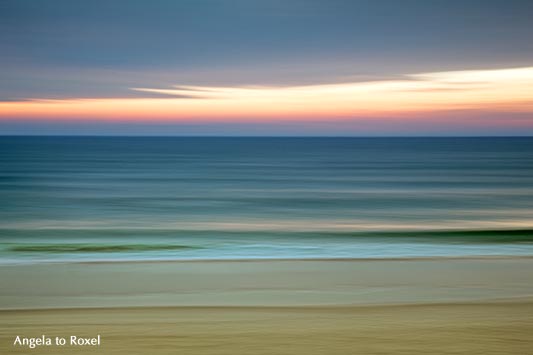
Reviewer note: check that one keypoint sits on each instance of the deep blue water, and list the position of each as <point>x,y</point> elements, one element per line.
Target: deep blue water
<point>118,198</point>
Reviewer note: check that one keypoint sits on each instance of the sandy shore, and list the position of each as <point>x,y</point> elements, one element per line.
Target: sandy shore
<point>482,306</point>
<point>264,283</point>
<point>475,328</point>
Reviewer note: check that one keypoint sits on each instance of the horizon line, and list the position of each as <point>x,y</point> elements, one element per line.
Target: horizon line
<point>259,136</point>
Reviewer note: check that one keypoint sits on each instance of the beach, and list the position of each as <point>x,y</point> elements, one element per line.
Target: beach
<point>425,306</point>
<point>232,177</point>
<point>266,246</point>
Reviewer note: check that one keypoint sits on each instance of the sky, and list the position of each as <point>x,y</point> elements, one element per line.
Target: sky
<point>266,67</point>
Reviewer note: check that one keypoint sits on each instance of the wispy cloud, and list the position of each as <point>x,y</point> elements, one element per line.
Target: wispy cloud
<point>460,89</point>
<point>496,89</point>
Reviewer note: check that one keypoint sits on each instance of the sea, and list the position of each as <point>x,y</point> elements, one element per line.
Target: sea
<point>115,199</point>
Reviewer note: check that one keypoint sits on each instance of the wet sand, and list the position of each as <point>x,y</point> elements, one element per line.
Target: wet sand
<point>471,306</point>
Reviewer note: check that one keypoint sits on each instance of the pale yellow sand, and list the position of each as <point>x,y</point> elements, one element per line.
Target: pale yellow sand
<point>481,328</point>
<point>467,306</point>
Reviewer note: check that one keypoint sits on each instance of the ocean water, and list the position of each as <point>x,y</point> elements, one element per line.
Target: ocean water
<point>85,199</point>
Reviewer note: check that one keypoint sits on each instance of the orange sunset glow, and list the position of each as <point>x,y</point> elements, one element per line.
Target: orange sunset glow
<point>506,90</point>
